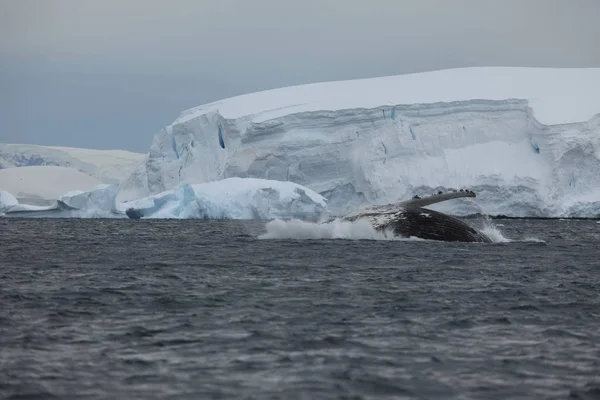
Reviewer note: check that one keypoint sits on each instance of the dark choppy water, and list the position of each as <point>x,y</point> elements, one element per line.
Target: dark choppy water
<point>203,309</point>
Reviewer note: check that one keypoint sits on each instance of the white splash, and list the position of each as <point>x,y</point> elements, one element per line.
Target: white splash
<point>490,230</point>
<point>337,229</point>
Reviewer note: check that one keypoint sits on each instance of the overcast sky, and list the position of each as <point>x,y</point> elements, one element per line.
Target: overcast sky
<point>110,73</point>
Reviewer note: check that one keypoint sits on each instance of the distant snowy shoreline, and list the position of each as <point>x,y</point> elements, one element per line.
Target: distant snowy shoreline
<point>108,166</point>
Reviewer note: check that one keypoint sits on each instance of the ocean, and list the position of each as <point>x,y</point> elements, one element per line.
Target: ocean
<point>199,309</point>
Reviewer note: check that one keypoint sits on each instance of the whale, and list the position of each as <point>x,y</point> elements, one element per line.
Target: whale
<point>410,218</point>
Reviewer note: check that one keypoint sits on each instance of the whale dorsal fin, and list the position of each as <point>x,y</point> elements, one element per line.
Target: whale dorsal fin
<point>436,198</point>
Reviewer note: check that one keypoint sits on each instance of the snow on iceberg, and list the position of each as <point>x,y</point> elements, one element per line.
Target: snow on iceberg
<point>233,198</point>
<point>527,140</point>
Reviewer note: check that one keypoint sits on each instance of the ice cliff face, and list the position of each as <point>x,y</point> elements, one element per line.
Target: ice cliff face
<point>527,140</point>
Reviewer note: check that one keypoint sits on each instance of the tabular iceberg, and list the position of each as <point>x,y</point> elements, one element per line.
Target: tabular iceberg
<point>527,140</point>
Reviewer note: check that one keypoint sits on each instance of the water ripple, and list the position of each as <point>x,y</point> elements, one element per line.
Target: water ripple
<point>205,309</point>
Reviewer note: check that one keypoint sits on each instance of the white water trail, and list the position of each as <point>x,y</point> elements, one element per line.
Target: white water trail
<point>337,229</point>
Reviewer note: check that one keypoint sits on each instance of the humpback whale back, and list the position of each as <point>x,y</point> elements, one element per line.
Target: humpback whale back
<point>434,225</point>
<point>408,218</point>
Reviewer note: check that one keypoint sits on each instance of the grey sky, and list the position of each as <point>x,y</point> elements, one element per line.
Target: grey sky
<point>109,74</point>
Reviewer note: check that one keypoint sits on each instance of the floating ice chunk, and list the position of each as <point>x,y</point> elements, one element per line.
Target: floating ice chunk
<point>98,202</point>
<point>233,198</point>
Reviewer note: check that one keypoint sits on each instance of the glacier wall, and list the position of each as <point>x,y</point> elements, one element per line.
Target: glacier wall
<point>516,164</point>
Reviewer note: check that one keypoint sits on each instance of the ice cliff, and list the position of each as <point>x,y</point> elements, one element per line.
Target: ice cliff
<point>526,140</point>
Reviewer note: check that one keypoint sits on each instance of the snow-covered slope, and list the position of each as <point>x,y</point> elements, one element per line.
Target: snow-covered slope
<point>44,184</point>
<point>109,166</point>
<point>527,140</point>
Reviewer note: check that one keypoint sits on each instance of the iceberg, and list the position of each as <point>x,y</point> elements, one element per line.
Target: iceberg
<point>233,198</point>
<point>96,203</point>
<point>9,204</point>
<point>7,201</point>
<point>53,191</point>
<point>527,140</point>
